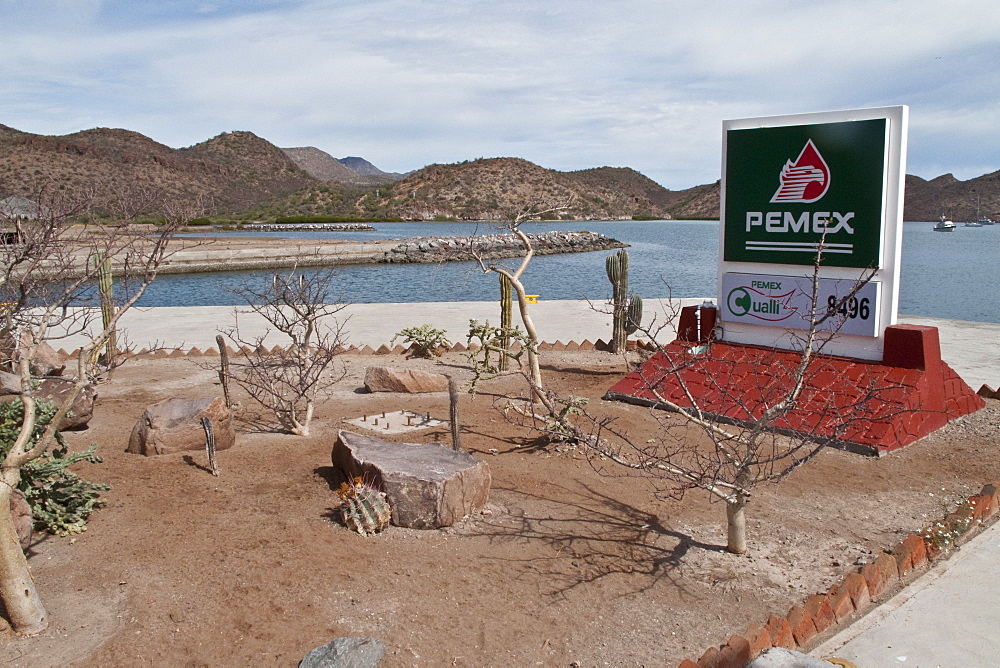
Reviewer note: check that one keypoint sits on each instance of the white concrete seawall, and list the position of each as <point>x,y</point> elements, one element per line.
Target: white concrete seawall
<point>971,348</point>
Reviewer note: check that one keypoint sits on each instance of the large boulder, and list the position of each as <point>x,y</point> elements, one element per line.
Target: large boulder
<point>46,361</point>
<point>55,390</point>
<point>410,381</point>
<point>428,485</point>
<point>20,512</point>
<point>174,425</point>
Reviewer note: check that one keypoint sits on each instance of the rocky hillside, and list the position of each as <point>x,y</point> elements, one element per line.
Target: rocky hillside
<point>499,188</point>
<point>947,196</point>
<point>239,174</point>
<point>232,172</point>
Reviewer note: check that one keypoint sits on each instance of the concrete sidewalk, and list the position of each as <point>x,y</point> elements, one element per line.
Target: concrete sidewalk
<point>971,348</point>
<point>948,617</point>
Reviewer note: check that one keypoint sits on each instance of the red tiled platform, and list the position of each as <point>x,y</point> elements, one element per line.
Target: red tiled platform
<point>861,405</point>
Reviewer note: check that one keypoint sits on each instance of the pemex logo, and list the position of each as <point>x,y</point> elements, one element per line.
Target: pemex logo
<point>806,180</point>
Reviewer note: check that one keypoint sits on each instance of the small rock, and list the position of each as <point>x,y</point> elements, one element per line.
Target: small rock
<point>346,653</point>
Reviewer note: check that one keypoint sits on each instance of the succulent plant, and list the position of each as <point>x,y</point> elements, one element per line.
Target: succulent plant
<point>363,508</point>
<point>627,312</point>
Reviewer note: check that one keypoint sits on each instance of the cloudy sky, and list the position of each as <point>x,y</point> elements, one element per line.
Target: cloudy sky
<point>567,84</point>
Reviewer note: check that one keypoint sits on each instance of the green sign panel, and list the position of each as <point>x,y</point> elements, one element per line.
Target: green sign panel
<point>798,190</point>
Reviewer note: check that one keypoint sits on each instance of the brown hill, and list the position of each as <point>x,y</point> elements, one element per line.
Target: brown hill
<point>947,196</point>
<point>240,173</point>
<point>234,171</point>
<point>497,188</point>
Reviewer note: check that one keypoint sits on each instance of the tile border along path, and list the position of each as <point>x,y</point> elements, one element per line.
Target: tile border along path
<point>971,348</point>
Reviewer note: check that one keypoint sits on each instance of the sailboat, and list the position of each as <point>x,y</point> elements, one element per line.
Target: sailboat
<point>980,218</point>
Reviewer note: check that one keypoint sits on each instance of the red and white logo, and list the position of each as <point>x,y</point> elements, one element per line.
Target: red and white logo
<point>806,180</point>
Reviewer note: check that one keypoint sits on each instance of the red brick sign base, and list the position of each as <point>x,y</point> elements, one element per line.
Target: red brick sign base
<point>857,404</point>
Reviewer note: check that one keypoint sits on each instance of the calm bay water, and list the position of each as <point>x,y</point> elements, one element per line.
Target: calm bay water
<point>944,275</point>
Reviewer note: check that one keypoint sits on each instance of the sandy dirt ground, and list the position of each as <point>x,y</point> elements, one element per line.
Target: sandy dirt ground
<point>564,566</point>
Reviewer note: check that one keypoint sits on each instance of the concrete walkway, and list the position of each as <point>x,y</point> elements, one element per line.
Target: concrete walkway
<point>971,348</point>
<point>949,617</point>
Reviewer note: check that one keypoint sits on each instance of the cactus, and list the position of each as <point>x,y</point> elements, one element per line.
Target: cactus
<point>627,312</point>
<point>363,508</point>
<point>105,288</point>
<point>634,316</point>
<point>506,314</point>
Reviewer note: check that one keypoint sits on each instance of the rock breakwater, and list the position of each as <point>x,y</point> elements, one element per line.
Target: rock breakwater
<point>496,246</point>
<point>308,227</point>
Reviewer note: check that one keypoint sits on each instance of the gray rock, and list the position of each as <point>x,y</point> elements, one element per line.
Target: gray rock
<point>428,485</point>
<point>46,362</point>
<point>346,653</point>
<point>55,389</point>
<point>410,381</point>
<point>174,425</point>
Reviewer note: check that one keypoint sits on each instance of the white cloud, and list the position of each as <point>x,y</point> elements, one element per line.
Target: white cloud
<point>568,84</point>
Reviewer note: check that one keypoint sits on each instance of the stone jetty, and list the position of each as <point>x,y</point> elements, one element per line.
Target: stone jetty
<point>496,246</point>
<point>308,227</point>
<point>224,253</point>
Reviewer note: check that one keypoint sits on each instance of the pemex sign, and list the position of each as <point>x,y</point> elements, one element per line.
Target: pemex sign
<point>806,189</point>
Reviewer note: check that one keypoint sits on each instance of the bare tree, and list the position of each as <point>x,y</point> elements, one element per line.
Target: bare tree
<point>288,380</point>
<point>724,452</point>
<point>513,277</point>
<point>46,278</point>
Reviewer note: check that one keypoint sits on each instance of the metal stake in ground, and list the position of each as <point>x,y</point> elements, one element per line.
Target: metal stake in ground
<point>210,445</point>
<point>456,443</point>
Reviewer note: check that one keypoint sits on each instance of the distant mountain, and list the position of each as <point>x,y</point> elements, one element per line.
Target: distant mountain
<point>362,166</point>
<point>324,167</point>
<point>241,174</point>
<point>947,196</point>
<point>320,164</point>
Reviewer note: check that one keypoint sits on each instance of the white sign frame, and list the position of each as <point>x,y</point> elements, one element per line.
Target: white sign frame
<point>887,273</point>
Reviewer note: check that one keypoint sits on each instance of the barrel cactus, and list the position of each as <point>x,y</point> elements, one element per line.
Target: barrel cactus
<point>363,508</point>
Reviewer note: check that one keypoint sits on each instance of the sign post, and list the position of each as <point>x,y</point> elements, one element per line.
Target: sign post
<point>804,191</point>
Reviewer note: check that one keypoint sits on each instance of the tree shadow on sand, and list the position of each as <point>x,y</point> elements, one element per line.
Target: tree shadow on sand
<point>591,537</point>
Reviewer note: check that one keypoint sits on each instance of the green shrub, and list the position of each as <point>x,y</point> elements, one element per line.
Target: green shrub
<point>60,500</point>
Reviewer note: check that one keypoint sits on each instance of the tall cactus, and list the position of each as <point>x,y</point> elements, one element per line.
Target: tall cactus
<point>627,312</point>
<point>105,288</point>
<point>506,315</point>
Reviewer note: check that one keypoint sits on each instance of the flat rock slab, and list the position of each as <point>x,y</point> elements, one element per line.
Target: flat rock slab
<point>410,381</point>
<point>428,485</point>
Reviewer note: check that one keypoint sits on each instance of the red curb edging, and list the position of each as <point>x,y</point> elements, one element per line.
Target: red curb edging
<point>860,590</point>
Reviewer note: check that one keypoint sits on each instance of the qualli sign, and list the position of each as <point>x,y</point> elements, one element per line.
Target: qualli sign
<point>805,190</point>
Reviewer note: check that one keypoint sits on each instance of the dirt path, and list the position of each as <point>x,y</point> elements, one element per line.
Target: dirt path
<point>563,565</point>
